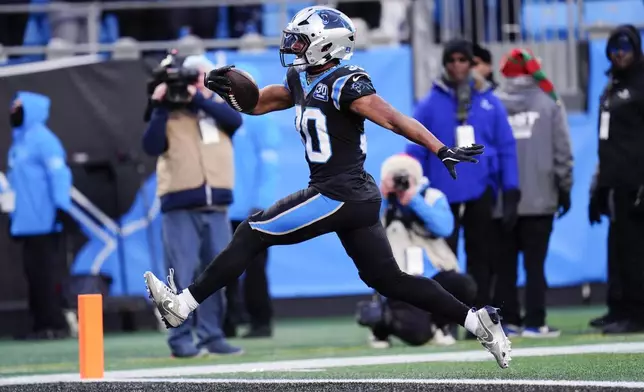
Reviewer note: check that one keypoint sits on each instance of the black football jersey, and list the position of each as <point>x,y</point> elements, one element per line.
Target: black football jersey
<point>333,136</point>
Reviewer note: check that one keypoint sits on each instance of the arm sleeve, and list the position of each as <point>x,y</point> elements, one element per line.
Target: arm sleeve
<point>434,211</point>
<point>562,150</point>
<point>155,141</point>
<point>506,147</point>
<point>227,118</point>
<point>348,88</point>
<point>59,175</point>
<point>266,136</point>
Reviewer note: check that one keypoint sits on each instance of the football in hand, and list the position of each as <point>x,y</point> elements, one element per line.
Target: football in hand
<point>244,93</point>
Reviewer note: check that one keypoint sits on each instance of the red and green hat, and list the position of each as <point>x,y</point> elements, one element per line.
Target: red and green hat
<point>521,62</point>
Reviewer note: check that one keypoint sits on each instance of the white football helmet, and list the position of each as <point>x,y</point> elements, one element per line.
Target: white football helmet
<point>317,35</point>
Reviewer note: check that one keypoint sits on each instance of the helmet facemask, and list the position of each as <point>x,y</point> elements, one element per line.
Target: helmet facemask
<point>294,44</point>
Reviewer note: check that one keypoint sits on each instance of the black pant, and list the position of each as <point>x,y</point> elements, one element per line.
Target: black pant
<point>257,299</point>
<point>476,222</point>
<point>626,258</point>
<point>415,326</point>
<point>530,236</point>
<point>43,262</point>
<point>307,214</point>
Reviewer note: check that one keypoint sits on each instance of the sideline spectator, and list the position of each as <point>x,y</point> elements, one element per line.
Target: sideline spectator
<point>461,110</point>
<point>483,64</point>
<point>41,182</point>
<point>194,181</point>
<point>618,191</point>
<point>540,127</point>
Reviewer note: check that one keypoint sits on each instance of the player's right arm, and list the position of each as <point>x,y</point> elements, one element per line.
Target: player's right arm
<point>273,98</point>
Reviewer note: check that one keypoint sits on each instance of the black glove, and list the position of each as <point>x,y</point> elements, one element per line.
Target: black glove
<point>511,200</point>
<point>451,156</point>
<point>563,203</point>
<point>217,82</point>
<point>598,205</point>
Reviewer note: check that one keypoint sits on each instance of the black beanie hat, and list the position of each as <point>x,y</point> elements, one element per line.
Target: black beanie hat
<point>457,45</point>
<point>482,53</point>
<point>633,36</point>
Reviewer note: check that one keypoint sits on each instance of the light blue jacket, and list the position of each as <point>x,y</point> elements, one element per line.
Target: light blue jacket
<point>38,173</point>
<point>256,146</point>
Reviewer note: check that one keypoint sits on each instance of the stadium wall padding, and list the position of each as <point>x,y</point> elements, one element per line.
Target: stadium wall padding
<point>99,108</point>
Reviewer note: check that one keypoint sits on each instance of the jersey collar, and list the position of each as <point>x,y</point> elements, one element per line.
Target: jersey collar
<point>308,87</point>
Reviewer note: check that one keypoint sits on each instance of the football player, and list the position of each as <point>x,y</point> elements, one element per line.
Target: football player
<point>331,103</point>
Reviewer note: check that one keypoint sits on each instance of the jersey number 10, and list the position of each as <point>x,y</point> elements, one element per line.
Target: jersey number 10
<point>311,124</point>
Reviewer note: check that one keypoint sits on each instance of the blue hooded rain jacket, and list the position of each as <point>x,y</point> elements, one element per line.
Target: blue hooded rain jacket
<point>38,173</point>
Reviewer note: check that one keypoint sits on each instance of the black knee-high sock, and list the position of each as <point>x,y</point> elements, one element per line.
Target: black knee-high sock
<point>424,294</point>
<point>229,264</point>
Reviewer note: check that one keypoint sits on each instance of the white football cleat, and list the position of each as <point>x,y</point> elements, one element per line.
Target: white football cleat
<point>166,299</point>
<point>490,334</point>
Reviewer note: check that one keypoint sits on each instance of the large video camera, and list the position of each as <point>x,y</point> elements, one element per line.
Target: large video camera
<point>171,72</point>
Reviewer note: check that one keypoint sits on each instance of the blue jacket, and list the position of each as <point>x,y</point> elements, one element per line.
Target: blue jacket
<point>256,165</point>
<point>437,217</point>
<point>497,167</point>
<point>38,172</point>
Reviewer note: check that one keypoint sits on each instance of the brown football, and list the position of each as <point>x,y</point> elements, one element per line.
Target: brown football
<point>244,92</point>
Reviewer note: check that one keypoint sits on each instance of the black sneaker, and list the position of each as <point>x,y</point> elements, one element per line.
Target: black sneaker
<point>601,322</point>
<point>264,331</point>
<point>623,327</point>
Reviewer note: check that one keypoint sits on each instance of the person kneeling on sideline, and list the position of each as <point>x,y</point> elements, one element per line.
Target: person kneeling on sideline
<point>417,219</point>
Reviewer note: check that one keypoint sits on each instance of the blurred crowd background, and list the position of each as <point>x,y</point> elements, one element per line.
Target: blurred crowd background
<point>90,64</point>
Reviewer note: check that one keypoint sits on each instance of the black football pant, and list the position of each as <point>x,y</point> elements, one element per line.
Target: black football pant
<point>626,258</point>
<point>530,236</point>
<point>256,297</point>
<point>308,214</point>
<point>476,222</point>
<point>43,261</point>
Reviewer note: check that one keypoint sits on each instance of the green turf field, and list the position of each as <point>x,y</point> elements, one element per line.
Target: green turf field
<point>342,338</point>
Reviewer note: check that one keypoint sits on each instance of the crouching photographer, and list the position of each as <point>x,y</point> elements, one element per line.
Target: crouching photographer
<point>190,132</point>
<point>417,219</point>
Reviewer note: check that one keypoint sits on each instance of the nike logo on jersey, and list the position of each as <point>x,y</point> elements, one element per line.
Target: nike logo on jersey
<point>355,78</point>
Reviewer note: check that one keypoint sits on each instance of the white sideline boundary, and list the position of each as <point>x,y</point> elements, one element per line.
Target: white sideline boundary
<point>168,373</point>
<point>558,383</point>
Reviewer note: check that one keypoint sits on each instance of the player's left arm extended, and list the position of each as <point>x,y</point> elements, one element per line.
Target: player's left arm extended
<point>376,109</point>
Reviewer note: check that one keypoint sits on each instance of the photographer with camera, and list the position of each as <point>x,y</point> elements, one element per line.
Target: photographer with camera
<point>417,219</point>
<point>190,132</point>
